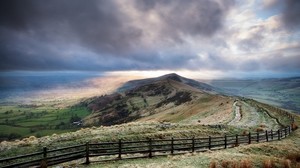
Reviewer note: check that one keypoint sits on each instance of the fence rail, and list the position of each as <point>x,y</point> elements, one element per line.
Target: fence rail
<point>146,148</point>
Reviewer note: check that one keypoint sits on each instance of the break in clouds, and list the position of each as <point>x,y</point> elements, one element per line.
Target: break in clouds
<point>147,35</point>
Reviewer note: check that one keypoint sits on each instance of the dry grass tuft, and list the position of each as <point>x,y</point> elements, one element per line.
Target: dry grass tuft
<point>294,126</point>
<point>235,164</point>
<point>268,164</point>
<point>213,164</point>
<point>262,126</point>
<point>294,157</point>
<point>245,164</point>
<point>286,163</point>
<point>225,164</point>
<point>259,129</point>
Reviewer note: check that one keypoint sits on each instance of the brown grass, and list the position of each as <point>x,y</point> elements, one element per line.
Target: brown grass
<point>235,164</point>
<point>286,163</point>
<point>294,126</point>
<point>259,129</point>
<point>213,164</point>
<point>245,164</point>
<point>268,164</point>
<point>225,164</point>
<point>262,126</point>
<point>293,157</point>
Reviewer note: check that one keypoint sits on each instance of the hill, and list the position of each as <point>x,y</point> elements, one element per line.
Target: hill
<point>169,98</point>
<point>170,107</point>
<point>282,92</point>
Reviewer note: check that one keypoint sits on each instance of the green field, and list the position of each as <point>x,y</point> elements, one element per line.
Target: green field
<point>19,121</point>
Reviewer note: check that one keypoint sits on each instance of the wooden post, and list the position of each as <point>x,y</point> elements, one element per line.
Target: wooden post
<point>87,153</point>
<point>193,144</point>
<point>44,153</point>
<point>120,149</point>
<point>272,135</point>
<point>44,161</point>
<point>150,148</point>
<point>249,138</point>
<point>285,132</point>
<point>172,146</point>
<point>237,140</point>
<point>225,141</point>
<point>209,142</point>
<point>278,133</point>
<point>257,137</point>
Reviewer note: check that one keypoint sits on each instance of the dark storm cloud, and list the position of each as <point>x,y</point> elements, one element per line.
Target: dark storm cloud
<point>291,14</point>
<point>191,17</point>
<point>35,33</point>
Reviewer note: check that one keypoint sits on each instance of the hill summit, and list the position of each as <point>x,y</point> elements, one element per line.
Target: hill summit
<point>172,76</point>
<point>166,98</point>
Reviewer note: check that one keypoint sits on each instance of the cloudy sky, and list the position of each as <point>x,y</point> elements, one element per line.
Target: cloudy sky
<point>201,38</point>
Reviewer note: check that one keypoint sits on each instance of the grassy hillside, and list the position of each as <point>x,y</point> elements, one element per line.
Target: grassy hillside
<point>284,93</point>
<point>167,99</point>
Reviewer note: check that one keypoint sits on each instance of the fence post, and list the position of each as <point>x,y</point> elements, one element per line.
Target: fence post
<point>236,140</point>
<point>172,146</point>
<point>272,135</point>
<point>209,142</point>
<point>257,137</point>
<point>225,141</point>
<point>120,149</point>
<point>285,132</point>
<point>150,148</point>
<point>267,136</point>
<point>278,132</point>
<point>193,144</point>
<point>45,152</point>
<point>249,138</point>
<point>44,161</point>
<point>87,153</point>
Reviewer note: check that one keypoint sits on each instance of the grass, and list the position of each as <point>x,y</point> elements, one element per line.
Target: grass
<point>38,120</point>
<point>238,157</point>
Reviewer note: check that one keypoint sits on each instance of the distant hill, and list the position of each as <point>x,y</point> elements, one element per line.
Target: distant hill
<point>167,98</point>
<point>282,92</point>
<point>173,76</point>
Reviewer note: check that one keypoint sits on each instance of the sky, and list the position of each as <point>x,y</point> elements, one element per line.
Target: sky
<point>195,38</point>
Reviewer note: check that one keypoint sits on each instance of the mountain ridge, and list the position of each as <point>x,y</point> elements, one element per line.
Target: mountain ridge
<point>200,85</point>
<point>159,96</point>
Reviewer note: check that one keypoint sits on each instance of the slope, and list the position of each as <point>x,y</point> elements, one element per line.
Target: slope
<point>167,98</point>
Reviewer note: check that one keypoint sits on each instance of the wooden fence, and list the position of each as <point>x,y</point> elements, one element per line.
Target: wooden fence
<point>136,149</point>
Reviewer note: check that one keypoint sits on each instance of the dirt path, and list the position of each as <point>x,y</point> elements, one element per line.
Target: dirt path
<point>237,116</point>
